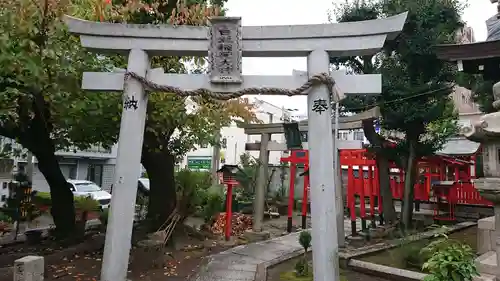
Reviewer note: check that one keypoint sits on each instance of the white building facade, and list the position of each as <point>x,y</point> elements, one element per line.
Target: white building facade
<point>96,164</point>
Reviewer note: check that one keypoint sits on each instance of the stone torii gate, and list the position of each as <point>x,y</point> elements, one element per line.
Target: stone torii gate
<point>226,42</point>
<point>264,146</point>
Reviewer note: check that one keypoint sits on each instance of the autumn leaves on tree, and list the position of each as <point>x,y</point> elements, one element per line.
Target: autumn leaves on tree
<point>43,108</point>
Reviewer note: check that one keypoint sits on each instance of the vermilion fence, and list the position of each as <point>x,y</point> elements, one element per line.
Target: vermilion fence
<point>363,191</point>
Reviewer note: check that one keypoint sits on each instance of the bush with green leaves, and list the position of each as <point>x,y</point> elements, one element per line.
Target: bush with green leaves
<point>213,205</point>
<point>449,260</point>
<point>5,218</point>
<point>302,266</point>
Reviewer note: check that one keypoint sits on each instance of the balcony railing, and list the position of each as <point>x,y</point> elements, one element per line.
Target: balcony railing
<point>92,149</point>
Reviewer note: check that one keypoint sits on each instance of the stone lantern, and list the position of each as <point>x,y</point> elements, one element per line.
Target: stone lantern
<point>487,132</point>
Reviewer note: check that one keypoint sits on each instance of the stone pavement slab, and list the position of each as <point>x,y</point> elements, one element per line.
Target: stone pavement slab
<point>240,263</point>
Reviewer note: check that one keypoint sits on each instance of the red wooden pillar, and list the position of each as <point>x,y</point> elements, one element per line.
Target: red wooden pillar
<point>351,198</point>
<point>379,198</point>
<point>362,204</point>
<point>229,211</point>
<point>291,195</point>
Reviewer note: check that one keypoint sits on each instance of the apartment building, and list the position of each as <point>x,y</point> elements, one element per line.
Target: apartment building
<point>96,164</point>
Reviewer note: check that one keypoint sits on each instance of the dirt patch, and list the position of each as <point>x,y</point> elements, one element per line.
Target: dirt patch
<point>178,264</point>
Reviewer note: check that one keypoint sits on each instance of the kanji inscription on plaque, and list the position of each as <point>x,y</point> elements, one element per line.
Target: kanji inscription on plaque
<point>225,54</point>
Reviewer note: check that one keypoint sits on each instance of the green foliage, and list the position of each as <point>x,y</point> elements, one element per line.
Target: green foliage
<point>214,204</point>
<point>104,216</point>
<point>5,218</point>
<point>305,239</point>
<point>86,204</point>
<point>302,266</point>
<point>191,187</point>
<point>42,199</point>
<point>40,79</point>
<point>415,102</point>
<point>449,260</point>
<point>292,275</point>
<point>482,90</point>
<point>83,203</point>
<point>247,178</point>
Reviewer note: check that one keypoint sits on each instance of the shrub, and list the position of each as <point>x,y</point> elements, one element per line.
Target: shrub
<point>42,199</point>
<point>302,266</point>
<point>191,188</point>
<point>449,260</point>
<point>5,218</point>
<point>214,204</point>
<point>83,203</point>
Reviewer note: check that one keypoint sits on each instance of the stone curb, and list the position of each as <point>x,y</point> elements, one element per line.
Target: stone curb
<point>261,273</point>
<point>385,271</point>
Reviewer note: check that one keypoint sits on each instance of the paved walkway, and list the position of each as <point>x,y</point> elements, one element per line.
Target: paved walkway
<point>240,263</point>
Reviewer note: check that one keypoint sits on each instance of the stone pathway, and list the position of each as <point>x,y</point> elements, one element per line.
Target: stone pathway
<point>240,263</point>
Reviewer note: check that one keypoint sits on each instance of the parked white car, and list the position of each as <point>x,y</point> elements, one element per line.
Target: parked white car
<point>88,188</point>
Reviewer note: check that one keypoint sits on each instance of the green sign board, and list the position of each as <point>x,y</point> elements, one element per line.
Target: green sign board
<point>199,163</point>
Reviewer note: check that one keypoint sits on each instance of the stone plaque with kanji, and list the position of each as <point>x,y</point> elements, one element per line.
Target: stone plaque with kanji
<point>224,53</point>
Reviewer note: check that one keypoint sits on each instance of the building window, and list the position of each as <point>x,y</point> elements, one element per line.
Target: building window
<point>359,135</point>
<point>72,172</point>
<point>270,117</point>
<point>94,174</point>
<point>224,143</point>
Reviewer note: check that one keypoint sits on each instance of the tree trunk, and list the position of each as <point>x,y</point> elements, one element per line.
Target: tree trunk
<point>62,209</point>
<point>162,193</point>
<point>411,166</point>
<point>385,191</point>
<point>377,141</point>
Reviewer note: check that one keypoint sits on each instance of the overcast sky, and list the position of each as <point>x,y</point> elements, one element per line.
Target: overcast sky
<point>286,12</point>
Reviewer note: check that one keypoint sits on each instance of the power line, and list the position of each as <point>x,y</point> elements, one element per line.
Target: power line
<point>404,98</point>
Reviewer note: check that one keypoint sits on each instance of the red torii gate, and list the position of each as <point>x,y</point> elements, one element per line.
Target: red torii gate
<point>297,156</point>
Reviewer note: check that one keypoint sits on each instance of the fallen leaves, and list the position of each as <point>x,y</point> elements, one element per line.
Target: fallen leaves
<point>239,224</point>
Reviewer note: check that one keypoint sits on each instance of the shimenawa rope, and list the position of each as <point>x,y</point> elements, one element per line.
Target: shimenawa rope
<point>319,79</point>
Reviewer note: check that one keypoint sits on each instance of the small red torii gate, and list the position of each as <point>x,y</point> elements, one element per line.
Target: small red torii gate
<point>297,156</point>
